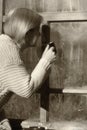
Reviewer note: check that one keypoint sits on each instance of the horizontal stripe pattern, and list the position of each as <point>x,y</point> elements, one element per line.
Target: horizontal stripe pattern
<point>9,52</point>
<point>17,80</point>
<point>13,75</point>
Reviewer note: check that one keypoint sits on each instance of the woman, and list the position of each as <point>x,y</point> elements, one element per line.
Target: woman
<point>21,29</point>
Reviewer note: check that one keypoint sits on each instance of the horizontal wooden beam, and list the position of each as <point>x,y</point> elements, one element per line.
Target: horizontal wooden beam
<point>67,90</point>
<point>56,90</point>
<point>64,16</point>
<point>77,90</point>
<point>52,90</point>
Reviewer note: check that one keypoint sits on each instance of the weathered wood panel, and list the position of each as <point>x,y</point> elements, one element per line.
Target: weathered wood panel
<point>1,15</point>
<point>11,4</point>
<point>82,5</point>
<point>47,5</point>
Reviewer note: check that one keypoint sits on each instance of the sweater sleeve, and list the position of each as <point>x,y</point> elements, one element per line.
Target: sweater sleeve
<point>16,79</point>
<point>13,74</point>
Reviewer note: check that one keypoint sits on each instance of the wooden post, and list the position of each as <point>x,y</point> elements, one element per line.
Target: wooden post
<point>1,15</point>
<point>44,100</point>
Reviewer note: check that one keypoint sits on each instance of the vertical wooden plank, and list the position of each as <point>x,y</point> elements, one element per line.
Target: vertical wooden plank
<point>70,5</point>
<point>65,5</point>
<point>83,5</point>
<point>31,4</point>
<point>75,5</point>
<point>1,15</point>
<point>44,100</point>
<point>35,5</point>
<point>40,6</point>
<point>50,6</point>
<point>11,4</point>
<point>60,5</point>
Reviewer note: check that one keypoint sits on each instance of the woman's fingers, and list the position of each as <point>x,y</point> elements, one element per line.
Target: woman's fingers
<point>5,125</point>
<point>49,54</point>
<point>2,127</point>
<point>46,49</point>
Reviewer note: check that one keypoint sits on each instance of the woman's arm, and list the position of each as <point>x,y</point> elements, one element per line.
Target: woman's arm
<point>15,78</point>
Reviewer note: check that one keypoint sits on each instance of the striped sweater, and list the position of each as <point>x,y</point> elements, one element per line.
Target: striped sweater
<point>14,77</point>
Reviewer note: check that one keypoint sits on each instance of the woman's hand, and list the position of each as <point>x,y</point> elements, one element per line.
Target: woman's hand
<point>5,125</point>
<point>49,54</point>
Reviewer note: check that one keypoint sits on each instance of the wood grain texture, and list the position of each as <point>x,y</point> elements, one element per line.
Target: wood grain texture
<point>64,16</point>
<point>11,4</point>
<point>1,14</point>
<point>47,6</point>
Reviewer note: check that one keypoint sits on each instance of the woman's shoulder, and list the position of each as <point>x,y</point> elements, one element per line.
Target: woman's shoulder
<point>4,37</point>
<point>7,44</point>
<point>8,51</point>
<point>5,40</point>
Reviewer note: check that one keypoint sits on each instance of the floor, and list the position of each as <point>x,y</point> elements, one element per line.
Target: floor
<point>60,125</point>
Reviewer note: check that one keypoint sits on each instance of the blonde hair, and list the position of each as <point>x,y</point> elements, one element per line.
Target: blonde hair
<point>19,21</point>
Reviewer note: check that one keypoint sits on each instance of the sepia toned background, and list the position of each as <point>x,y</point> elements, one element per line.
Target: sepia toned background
<point>70,69</point>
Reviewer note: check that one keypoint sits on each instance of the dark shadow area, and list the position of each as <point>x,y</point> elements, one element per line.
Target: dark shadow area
<point>15,124</point>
